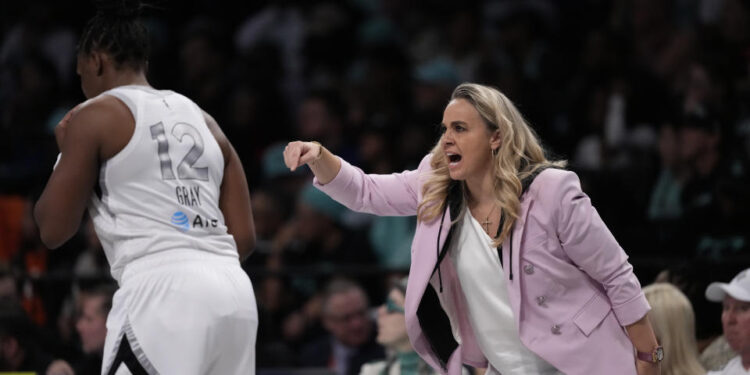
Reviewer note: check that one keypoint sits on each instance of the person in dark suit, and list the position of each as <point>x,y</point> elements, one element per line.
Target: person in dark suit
<point>350,341</point>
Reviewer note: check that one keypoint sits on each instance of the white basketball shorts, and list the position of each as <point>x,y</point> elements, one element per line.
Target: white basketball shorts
<point>182,312</point>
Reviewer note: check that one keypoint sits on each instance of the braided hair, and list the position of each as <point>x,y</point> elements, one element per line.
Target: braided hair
<point>117,31</point>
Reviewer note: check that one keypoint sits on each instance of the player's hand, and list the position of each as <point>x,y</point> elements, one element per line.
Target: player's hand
<point>62,125</point>
<point>298,153</point>
<point>60,367</point>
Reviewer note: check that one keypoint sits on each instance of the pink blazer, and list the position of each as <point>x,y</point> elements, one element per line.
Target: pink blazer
<point>572,290</point>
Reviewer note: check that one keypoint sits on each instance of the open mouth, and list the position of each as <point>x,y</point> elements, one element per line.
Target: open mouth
<point>454,158</point>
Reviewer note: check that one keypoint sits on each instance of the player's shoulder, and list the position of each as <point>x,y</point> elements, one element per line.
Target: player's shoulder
<point>102,122</point>
<point>102,111</point>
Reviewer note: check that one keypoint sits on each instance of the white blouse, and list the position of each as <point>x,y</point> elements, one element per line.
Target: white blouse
<point>734,367</point>
<point>483,283</point>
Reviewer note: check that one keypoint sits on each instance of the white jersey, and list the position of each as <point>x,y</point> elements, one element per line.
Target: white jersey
<point>161,191</point>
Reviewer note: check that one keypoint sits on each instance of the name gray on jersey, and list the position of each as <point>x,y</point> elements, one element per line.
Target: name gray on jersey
<point>190,197</point>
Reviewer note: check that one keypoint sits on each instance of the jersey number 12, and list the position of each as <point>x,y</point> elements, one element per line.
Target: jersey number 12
<point>185,170</point>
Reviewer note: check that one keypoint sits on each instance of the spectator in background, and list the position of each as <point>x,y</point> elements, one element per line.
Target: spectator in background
<point>272,209</point>
<point>321,116</point>
<point>281,329</point>
<point>8,284</point>
<point>278,24</point>
<point>12,211</point>
<point>674,325</point>
<point>25,123</point>
<point>377,93</point>
<point>402,359</point>
<point>464,38</point>
<point>203,59</point>
<point>317,234</point>
<point>664,212</point>
<point>434,81</point>
<point>692,279</point>
<point>714,198</point>
<point>94,306</point>
<point>249,109</point>
<point>19,350</point>
<point>665,202</point>
<point>699,137</point>
<point>92,326</point>
<point>91,262</point>
<point>735,320</point>
<point>717,354</point>
<point>350,342</point>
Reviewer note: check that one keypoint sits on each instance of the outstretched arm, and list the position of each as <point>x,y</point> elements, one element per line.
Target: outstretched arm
<point>395,194</point>
<point>234,199</point>
<point>324,165</point>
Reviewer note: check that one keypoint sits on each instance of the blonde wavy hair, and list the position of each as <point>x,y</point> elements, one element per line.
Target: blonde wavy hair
<point>520,154</point>
<point>673,321</point>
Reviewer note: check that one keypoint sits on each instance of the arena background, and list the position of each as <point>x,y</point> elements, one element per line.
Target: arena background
<point>648,100</point>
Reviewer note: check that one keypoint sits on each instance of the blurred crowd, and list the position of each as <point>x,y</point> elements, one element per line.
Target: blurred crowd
<point>648,100</point>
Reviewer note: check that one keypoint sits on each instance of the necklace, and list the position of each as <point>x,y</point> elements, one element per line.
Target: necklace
<point>486,223</point>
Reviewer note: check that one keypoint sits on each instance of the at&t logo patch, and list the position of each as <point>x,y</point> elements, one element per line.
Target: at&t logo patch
<point>180,220</point>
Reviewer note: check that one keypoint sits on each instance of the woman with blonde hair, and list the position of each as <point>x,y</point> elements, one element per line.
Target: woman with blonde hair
<point>512,268</point>
<point>673,321</point>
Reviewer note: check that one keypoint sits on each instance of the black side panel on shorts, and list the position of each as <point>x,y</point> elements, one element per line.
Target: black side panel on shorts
<point>125,355</point>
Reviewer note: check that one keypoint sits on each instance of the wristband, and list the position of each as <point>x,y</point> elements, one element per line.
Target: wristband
<point>656,356</point>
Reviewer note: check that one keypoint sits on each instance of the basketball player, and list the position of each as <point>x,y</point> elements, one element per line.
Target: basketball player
<point>170,204</point>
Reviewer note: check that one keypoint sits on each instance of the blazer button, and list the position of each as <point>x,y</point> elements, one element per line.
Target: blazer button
<point>555,329</point>
<point>541,300</point>
<point>528,269</point>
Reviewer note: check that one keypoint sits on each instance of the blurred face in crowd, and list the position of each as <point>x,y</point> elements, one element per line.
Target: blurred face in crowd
<point>92,324</point>
<point>345,316</point>
<point>668,147</point>
<point>392,323</point>
<point>311,224</point>
<point>267,214</point>
<point>314,119</point>
<point>691,143</point>
<point>466,141</point>
<point>198,58</point>
<point>8,287</point>
<point>735,319</point>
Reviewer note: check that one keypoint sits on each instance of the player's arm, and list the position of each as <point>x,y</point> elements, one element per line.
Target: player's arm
<point>59,210</point>
<point>234,200</point>
<point>93,131</point>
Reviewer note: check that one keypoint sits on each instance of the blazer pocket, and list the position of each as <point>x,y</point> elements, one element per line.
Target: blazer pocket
<point>592,314</point>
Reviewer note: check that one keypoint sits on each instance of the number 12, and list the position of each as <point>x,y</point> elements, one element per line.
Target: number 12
<point>185,170</point>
